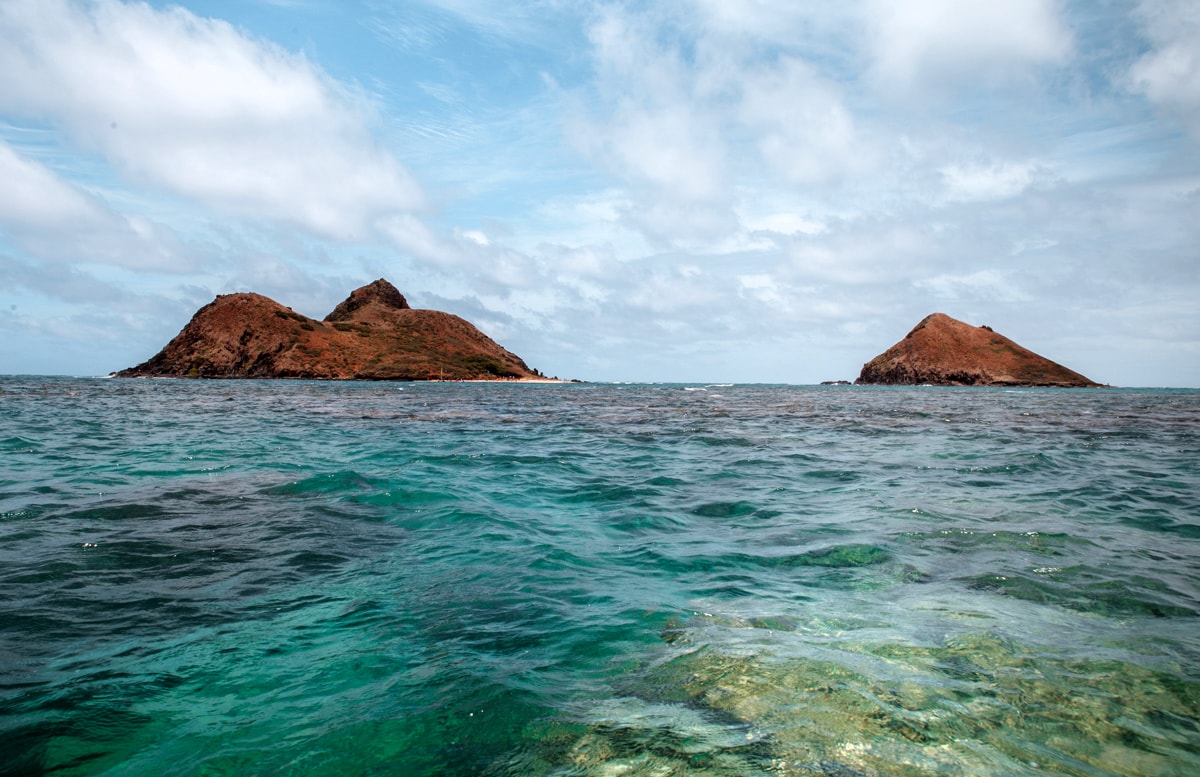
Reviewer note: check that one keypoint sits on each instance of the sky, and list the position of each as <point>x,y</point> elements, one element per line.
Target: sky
<point>760,191</point>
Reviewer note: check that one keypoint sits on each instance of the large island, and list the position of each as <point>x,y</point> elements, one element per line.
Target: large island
<point>943,351</point>
<point>372,335</point>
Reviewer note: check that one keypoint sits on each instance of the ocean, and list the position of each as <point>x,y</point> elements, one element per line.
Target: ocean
<point>310,578</point>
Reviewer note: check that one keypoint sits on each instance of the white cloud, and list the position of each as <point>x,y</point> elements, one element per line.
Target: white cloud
<point>782,22</point>
<point>476,236</point>
<point>410,234</point>
<point>582,264</point>
<point>783,223</point>
<point>982,284</point>
<point>763,289</point>
<point>197,108</point>
<point>1032,244</point>
<point>58,281</point>
<point>33,198</point>
<point>868,254</point>
<point>676,294</point>
<point>657,131</point>
<point>983,182</point>
<point>680,114</point>
<point>1169,74</point>
<point>803,130</point>
<point>592,218</point>
<point>950,43</point>
<point>55,219</point>
<point>672,223</point>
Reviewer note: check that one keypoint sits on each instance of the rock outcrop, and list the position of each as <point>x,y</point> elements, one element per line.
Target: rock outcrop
<point>372,335</point>
<point>943,351</point>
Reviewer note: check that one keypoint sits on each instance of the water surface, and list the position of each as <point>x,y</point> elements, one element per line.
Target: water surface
<point>259,577</point>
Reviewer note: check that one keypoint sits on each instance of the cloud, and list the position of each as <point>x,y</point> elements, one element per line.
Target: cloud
<point>680,111</point>
<point>59,282</point>
<point>54,219</point>
<point>779,22</point>
<point>657,131</point>
<point>1169,74</point>
<point>804,131</point>
<point>413,236</point>
<point>648,123</point>
<point>34,197</point>
<point>948,44</point>
<point>981,182</point>
<point>982,284</point>
<point>197,108</point>
<point>781,222</point>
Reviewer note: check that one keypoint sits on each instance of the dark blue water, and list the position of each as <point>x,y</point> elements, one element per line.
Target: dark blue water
<point>259,578</point>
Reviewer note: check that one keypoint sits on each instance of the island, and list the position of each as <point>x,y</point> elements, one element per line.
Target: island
<point>372,335</point>
<point>944,351</point>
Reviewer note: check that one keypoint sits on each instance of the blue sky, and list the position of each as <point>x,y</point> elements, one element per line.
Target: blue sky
<point>705,190</point>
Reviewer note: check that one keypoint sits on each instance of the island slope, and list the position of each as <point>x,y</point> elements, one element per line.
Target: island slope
<point>944,351</point>
<point>372,335</point>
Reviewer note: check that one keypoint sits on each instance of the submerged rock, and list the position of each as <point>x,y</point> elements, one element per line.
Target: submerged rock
<point>372,335</point>
<point>833,702</point>
<point>944,351</point>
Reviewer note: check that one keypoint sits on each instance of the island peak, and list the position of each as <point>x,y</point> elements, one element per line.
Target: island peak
<point>379,292</point>
<point>941,350</point>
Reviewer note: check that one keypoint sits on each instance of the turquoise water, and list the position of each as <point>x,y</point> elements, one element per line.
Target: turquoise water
<point>259,578</point>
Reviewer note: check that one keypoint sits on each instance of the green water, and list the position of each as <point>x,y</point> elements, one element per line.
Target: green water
<point>230,578</point>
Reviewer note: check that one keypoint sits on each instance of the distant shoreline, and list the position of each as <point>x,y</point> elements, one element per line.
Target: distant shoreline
<point>341,380</point>
<point>486,380</point>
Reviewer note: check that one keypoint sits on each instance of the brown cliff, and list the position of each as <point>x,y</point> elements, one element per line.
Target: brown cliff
<point>372,335</point>
<point>943,351</point>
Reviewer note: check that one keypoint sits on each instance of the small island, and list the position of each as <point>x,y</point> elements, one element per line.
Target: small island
<point>943,351</point>
<point>372,335</point>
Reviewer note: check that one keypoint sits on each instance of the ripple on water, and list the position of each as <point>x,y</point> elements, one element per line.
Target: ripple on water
<point>307,578</point>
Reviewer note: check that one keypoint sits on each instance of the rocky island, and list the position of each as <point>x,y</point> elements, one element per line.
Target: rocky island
<point>944,351</point>
<point>372,335</point>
